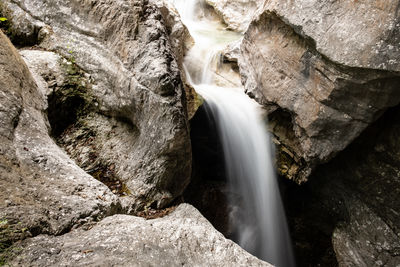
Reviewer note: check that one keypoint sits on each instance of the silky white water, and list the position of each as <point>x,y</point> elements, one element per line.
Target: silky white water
<point>260,225</point>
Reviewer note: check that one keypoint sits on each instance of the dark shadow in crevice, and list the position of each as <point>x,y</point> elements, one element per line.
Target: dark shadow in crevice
<point>365,169</point>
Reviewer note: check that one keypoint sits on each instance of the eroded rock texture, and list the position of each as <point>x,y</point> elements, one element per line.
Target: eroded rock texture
<point>183,238</point>
<point>41,189</point>
<point>135,130</point>
<point>324,70</point>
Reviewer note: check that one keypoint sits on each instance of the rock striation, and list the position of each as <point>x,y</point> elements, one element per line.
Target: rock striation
<point>138,116</point>
<point>324,70</point>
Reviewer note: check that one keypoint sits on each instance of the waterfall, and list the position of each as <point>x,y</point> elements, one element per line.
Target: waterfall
<point>261,224</point>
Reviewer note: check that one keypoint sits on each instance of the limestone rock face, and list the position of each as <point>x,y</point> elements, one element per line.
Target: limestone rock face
<point>236,14</point>
<point>140,120</point>
<point>324,70</point>
<point>183,238</point>
<point>356,34</point>
<point>41,189</point>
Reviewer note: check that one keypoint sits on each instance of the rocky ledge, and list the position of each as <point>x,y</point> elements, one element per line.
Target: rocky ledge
<point>183,238</point>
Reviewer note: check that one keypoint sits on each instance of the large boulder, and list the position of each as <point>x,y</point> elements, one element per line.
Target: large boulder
<point>136,127</point>
<point>41,189</point>
<point>183,238</point>
<point>324,70</point>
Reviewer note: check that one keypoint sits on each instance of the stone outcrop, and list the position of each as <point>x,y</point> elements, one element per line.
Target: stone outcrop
<point>183,238</point>
<point>236,14</point>
<point>136,127</point>
<point>324,70</point>
<point>41,189</point>
<point>181,41</point>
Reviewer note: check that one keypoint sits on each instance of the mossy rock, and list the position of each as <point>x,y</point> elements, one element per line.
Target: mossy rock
<point>9,233</point>
<point>70,101</point>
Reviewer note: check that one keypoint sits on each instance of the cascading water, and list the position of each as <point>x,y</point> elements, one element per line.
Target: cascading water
<point>260,226</point>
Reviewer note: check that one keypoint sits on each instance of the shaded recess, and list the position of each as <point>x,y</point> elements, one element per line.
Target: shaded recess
<point>69,105</point>
<point>19,37</point>
<point>280,124</point>
<point>368,170</point>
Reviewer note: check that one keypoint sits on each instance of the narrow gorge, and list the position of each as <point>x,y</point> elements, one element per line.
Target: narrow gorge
<point>199,133</point>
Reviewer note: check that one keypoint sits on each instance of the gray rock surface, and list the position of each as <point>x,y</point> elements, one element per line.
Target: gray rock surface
<point>357,34</point>
<point>183,238</point>
<point>45,192</point>
<point>181,42</point>
<point>124,47</point>
<point>41,188</point>
<point>236,14</point>
<point>318,95</point>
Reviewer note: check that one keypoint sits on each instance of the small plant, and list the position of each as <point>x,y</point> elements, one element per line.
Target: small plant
<point>5,20</point>
<point>9,233</point>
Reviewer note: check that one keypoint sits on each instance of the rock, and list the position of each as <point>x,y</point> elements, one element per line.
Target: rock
<point>181,42</point>
<point>183,238</point>
<point>179,36</point>
<point>348,33</point>
<point>236,14</point>
<point>292,63</point>
<point>41,189</point>
<point>353,201</point>
<point>366,240</point>
<point>124,47</point>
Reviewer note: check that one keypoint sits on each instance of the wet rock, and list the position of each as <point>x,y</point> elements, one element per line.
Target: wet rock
<point>322,77</point>
<point>183,238</point>
<point>124,47</point>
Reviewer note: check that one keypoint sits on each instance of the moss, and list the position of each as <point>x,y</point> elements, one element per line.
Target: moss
<point>71,101</point>
<point>9,233</point>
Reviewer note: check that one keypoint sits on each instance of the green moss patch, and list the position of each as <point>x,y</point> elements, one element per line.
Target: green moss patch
<point>10,232</point>
<point>70,101</point>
